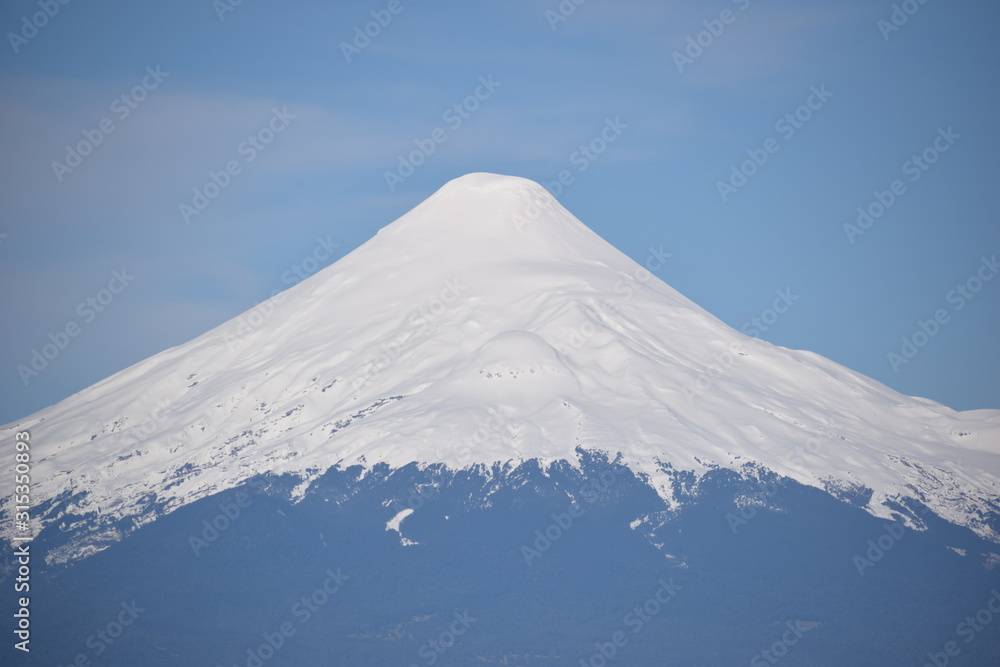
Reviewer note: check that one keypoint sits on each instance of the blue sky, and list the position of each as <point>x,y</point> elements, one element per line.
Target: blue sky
<point>199,78</point>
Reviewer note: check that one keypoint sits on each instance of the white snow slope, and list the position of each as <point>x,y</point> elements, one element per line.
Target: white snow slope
<point>490,325</point>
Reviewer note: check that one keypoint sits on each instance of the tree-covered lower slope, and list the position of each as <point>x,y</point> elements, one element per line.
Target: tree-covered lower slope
<point>520,567</point>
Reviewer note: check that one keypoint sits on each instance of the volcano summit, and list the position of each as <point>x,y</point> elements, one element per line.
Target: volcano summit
<point>483,369</point>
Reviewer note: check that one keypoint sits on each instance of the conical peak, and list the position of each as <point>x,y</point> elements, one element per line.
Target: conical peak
<point>488,325</point>
<point>485,183</point>
<point>490,203</point>
<point>491,214</point>
<point>485,189</point>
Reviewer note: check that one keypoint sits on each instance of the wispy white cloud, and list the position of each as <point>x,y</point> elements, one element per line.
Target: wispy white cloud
<point>148,165</point>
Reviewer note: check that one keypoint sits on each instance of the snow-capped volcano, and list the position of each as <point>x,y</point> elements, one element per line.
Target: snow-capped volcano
<point>489,325</point>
